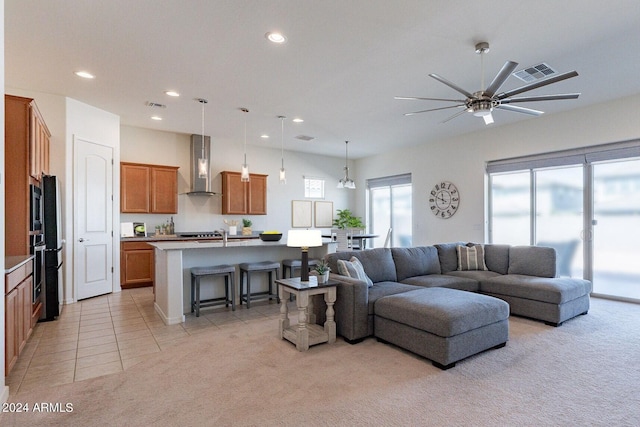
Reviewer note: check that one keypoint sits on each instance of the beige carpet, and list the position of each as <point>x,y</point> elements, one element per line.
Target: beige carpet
<point>586,372</point>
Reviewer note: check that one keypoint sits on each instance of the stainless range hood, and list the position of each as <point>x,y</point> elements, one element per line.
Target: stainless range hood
<point>200,186</point>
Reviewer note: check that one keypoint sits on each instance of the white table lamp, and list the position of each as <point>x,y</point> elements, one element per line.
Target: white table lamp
<point>304,239</point>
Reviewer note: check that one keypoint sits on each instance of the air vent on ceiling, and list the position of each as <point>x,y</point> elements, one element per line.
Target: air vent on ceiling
<point>305,137</point>
<point>155,105</point>
<point>534,73</point>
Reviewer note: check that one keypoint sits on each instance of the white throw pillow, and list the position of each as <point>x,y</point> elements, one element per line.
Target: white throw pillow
<point>354,269</point>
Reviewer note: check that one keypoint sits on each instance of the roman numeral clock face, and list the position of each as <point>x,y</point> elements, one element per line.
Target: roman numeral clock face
<point>444,200</point>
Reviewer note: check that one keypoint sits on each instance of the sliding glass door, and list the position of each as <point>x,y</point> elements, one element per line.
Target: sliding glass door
<point>585,203</point>
<point>559,219</point>
<point>616,230</point>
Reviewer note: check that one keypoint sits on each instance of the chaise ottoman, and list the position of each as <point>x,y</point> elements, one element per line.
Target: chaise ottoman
<point>441,324</point>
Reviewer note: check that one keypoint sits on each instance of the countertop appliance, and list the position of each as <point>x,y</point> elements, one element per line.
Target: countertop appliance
<point>54,243</point>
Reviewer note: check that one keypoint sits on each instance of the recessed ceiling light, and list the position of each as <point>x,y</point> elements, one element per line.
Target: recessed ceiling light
<point>275,37</point>
<point>172,93</point>
<point>158,118</point>
<point>85,75</point>
<point>298,120</point>
<point>265,136</point>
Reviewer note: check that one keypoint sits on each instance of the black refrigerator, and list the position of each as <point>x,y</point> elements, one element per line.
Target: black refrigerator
<point>52,224</point>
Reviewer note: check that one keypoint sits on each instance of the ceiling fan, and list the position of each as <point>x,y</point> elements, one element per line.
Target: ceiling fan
<point>484,101</point>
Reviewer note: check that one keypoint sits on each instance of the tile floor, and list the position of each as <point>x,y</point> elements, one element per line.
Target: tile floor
<point>110,333</point>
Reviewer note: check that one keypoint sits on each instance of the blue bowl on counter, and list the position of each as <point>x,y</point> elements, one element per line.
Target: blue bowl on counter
<point>270,237</point>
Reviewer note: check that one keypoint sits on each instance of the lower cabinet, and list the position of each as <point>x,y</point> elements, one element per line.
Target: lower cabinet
<point>18,311</point>
<point>137,265</point>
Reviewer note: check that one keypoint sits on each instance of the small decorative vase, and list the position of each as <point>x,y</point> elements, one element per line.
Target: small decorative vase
<point>323,278</point>
<point>233,230</point>
<point>246,231</point>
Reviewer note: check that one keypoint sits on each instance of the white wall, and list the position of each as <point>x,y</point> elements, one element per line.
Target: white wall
<point>202,213</point>
<point>462,161</point>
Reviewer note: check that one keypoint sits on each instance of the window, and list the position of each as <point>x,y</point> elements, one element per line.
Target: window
<point>390,210</point>
<point>313,188</point>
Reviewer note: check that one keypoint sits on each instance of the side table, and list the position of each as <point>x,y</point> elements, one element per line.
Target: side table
<point>306,333</point>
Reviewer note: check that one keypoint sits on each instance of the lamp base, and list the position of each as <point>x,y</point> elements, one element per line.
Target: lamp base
<point>304,266</point>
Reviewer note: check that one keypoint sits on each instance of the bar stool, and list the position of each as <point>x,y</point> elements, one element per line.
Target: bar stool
<point>228,271</point>
<point>246,268</point>
<point>294,264</point>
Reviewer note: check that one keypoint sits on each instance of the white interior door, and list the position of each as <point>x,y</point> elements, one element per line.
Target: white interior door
<point>93,222</point>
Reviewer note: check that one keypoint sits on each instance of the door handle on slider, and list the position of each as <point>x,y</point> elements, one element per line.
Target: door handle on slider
<point>82,240</point>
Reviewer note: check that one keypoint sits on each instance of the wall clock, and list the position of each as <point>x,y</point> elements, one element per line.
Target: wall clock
<point>444,199</point>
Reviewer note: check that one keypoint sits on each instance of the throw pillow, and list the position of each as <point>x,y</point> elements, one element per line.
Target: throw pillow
<point>471,258</point>
<point>354,269</point>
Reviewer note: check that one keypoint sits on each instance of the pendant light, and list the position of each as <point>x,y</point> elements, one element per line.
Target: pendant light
<point>346,182</point>
<point>203,162</point>
<point>283,177</point>
<point>244,174</point>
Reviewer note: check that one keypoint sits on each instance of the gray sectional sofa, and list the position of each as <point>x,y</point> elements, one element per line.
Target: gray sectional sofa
<point>523,276</point>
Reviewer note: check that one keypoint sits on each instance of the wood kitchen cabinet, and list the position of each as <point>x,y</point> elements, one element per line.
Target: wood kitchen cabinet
<point>148,188</point>
<point>137,265</point>
<point>244,198</point>
<point>18,311</point>
<point>26,150</point>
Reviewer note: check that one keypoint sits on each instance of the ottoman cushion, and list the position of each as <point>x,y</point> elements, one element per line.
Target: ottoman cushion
<point>441,311</point>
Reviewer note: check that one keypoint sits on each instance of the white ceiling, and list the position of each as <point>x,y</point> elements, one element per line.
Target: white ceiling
<point>339,70</point>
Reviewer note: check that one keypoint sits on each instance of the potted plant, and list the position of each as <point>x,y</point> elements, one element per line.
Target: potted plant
<point>346,219</point>
<point>246,227</point>
<point>322,268</point>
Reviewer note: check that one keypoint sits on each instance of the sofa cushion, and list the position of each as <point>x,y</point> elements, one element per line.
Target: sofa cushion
<point>496,258</point>
<point>551,290</point>
<point>475,274</point>
<point>377,263</point>
<point>443,281</point>
<point>448,256</point>
<point>354,269</point>
<point>382,289</point>
<point>416,261</point>
<point>532,261</point>
<point>470,257</point>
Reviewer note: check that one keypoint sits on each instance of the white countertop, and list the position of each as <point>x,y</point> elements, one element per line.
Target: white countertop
<point>178,245</point>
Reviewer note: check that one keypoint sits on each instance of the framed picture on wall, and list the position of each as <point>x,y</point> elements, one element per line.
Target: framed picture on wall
<point>324,214</point>
<point>301,214</point>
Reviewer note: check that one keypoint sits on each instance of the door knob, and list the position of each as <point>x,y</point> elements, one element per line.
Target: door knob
<point>82,240</point>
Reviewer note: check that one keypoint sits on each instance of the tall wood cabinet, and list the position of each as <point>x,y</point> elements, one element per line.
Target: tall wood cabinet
<point>244,198</point>
<point>148,188</point>
<point>27,141</point>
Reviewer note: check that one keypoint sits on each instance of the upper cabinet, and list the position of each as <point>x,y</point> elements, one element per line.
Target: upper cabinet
<point>244,198</point>
<point>148,188</point>
<point>26,156</point>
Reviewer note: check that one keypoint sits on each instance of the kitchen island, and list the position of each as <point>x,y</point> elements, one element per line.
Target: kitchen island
<point>174,259</point>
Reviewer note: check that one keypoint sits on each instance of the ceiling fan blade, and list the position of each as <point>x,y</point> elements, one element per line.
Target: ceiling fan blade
<point>433,109</point>
<point>541,98</point>
<point>429,99</point>
<point>451,85</point>
<point>536,85</point>
<point>500,78</point>
<point>459,113</point>
<point>520,109</point>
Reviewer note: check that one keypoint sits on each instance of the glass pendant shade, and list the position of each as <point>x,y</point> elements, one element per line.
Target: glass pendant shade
<point>244,174</point>
<point>203,168</point>
<point>283,176</point>
<point>346,182</point>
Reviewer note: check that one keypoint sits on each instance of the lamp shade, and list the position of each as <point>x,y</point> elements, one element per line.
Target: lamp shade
<point>304,238</point>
